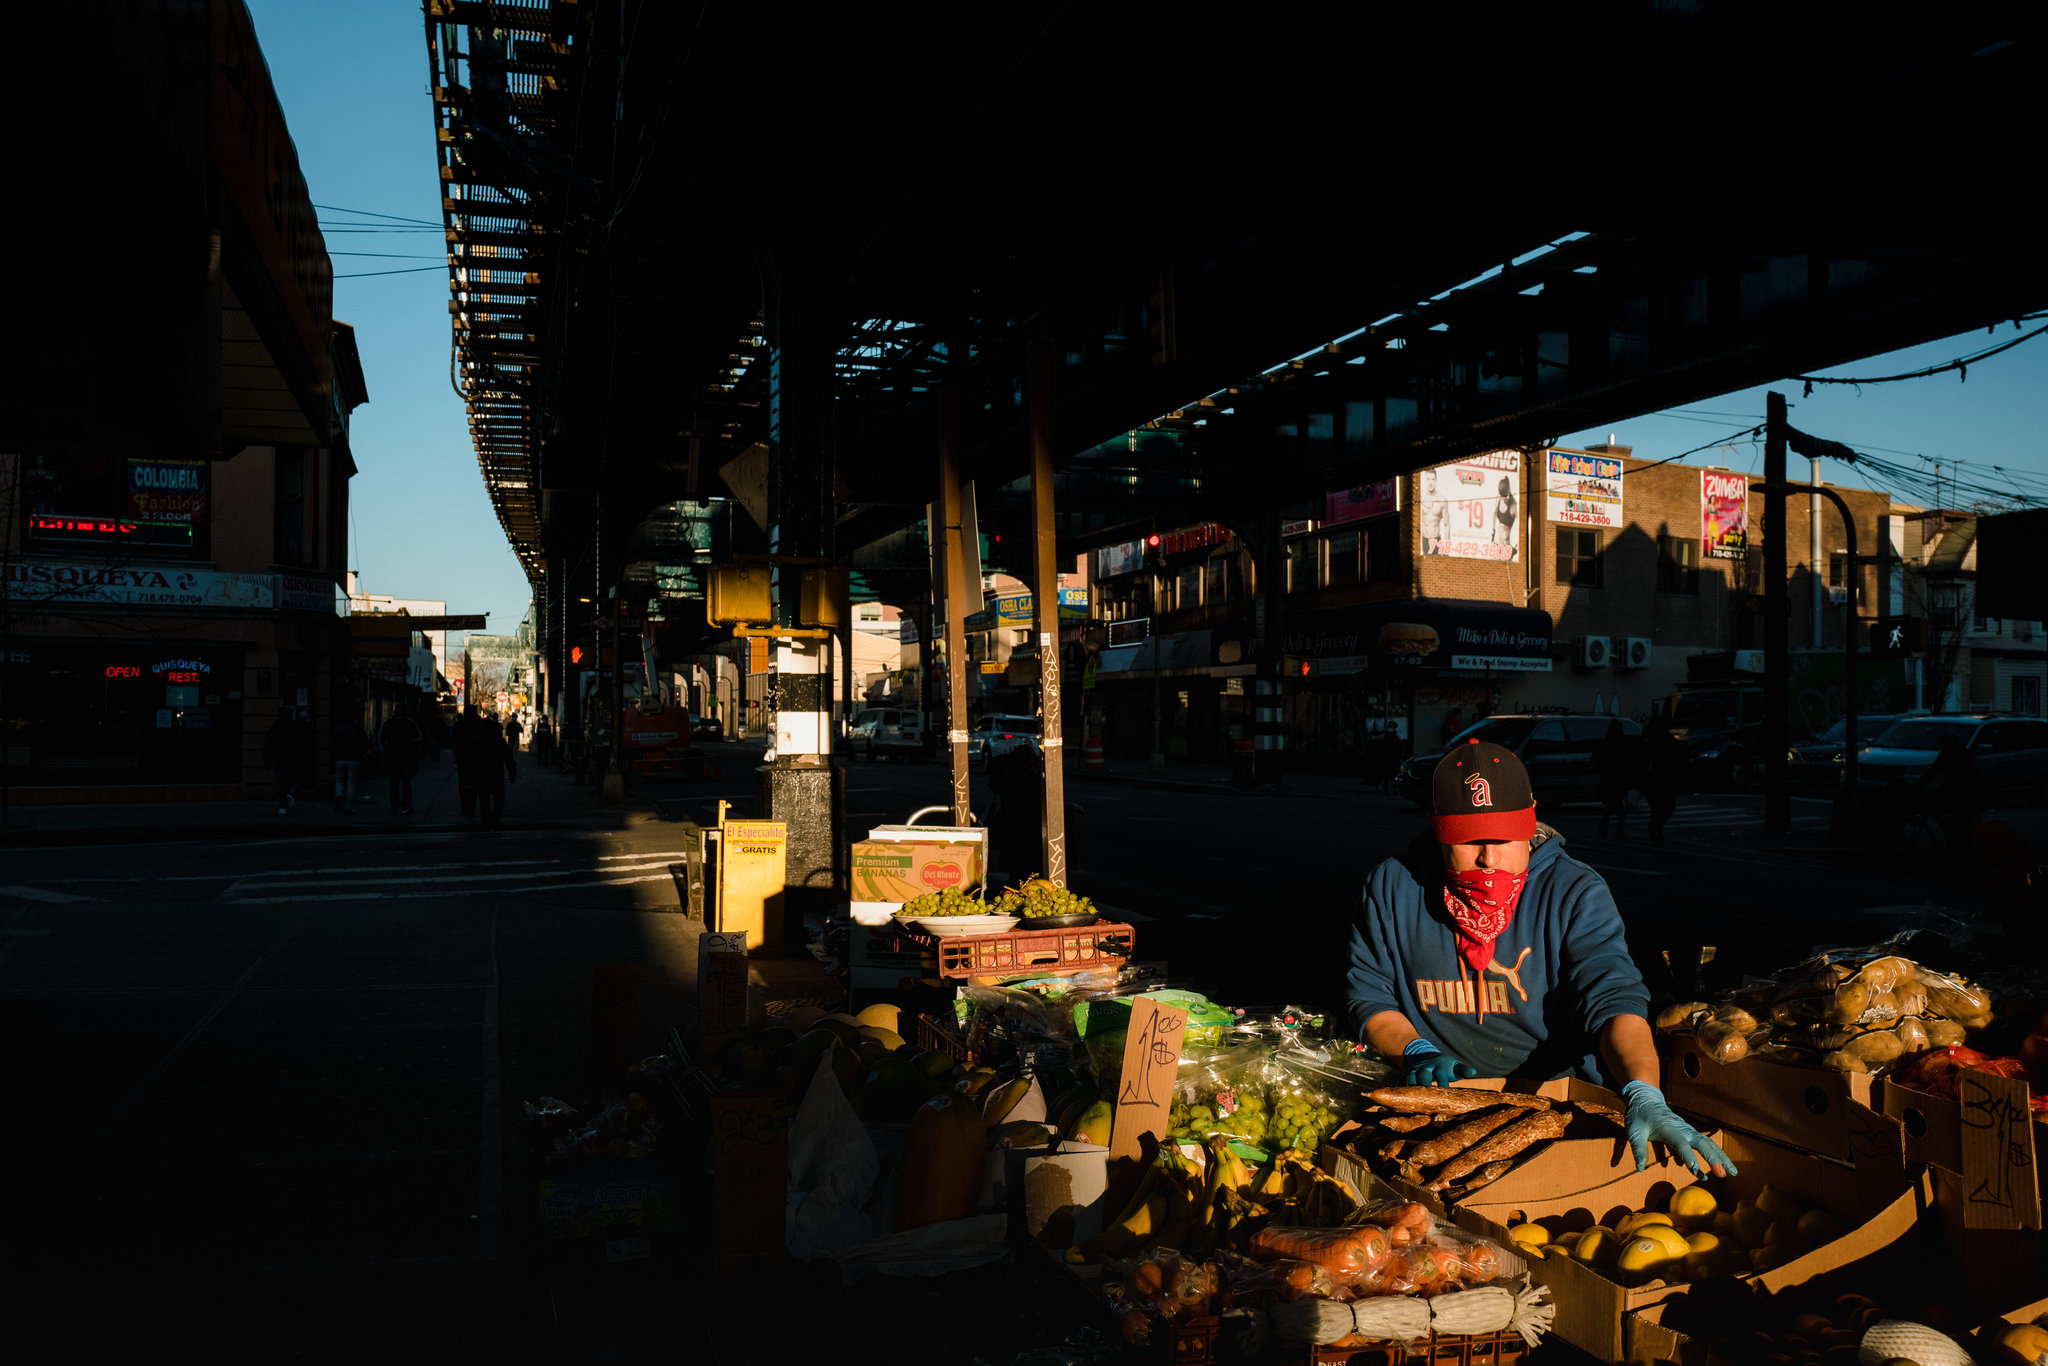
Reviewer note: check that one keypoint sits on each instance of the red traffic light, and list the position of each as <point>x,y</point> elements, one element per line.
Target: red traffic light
<point>1153,539</point>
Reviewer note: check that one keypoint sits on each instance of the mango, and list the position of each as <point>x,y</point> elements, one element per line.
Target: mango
<point>882,1017</point>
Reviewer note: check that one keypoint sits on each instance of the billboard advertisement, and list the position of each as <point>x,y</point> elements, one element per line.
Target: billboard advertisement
<point>167,490</point>
<point>1367,500</point>
<point>1724,514</point>
<point>1470,509</point>
<point>1582,490</point>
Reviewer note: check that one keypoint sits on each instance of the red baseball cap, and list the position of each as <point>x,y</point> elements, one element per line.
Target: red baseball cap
<point>1481,792</point>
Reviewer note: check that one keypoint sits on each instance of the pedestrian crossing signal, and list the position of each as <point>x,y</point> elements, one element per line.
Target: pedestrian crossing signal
<point>1898,637</point>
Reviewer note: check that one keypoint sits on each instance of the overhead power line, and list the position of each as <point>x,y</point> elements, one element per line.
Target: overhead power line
<point>1960,364</point>
<point>368,213</point>
<point>364,274</point>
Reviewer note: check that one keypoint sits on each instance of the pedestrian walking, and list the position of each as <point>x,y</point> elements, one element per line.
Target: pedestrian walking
<point>513,730</point>
<point>400,741</point>
<point>1664,764</point>
<point>1615,761</point>
<point>285,750</point>
<point>460,742</point>
<point>485,761</point>
<point>544,742</point>
<point>349,746</point>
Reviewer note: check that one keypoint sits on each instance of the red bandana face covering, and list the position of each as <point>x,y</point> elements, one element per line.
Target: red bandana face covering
<point>1482,902</point>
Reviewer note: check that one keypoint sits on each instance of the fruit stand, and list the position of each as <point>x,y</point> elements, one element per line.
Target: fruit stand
<point>1224,1184</point>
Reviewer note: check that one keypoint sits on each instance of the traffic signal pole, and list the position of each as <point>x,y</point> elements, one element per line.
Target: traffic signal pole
<point>1849,623</point>
<point>1777,625</point>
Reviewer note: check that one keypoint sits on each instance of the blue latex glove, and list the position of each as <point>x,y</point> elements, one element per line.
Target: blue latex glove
<point>1650,1120</point>
<point>1423,1064</point>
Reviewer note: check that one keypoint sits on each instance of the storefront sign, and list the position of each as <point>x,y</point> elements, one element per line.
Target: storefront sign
<point>1424,633</point>
<point>1193,538</point>
<point>1305,527</point>
<point>1724,514</point>
<point>1367,500</point>
<point>1583,490</point>
<point>47,529</point>
<point>54,581</point>
<point>1127,557</point>
<point>167,490</point>
<point>297,593</point>
<point>1470,509</point>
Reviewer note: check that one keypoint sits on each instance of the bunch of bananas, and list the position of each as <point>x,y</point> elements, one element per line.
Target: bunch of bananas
<point>1302,1195</point>
<point>1199,1207</point>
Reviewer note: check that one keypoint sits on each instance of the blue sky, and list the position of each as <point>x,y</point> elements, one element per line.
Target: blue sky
<point>353,81</point>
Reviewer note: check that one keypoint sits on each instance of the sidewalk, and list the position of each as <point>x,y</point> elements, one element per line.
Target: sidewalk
<point>538,800</point>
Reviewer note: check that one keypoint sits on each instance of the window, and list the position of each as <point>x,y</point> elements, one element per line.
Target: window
<point>1578,556</point>
<point>1945,604</point>
<point>1840,573</point>
<point>1304,564</point>
<point>1187,587</point>
<point>868,611</point>
<point>1677,565</point>
<point>1216,579</point>
<point>2026,700</point>
<point>1344,558</point>
<point>1547,738</point>
<point>1382,554</point>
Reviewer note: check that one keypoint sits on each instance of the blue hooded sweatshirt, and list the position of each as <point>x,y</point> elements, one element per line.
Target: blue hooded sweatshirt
<point>1559,972</point>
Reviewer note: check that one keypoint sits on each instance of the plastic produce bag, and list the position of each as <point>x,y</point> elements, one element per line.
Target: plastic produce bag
<point>832,1170</point>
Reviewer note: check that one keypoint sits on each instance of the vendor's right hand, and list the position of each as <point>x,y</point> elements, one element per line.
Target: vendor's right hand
<point>1424,1064</point>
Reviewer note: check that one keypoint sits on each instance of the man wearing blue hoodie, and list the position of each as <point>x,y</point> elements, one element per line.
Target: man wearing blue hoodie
<point>1488,950</point>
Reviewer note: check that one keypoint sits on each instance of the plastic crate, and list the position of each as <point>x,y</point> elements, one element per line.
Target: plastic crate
<point>939,1038</point>
<point>1102,945</point>
<point>1192,1341</point>
<point>1505,1348</point>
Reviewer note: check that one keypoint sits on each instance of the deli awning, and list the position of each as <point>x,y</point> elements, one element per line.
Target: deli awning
<point>1426,633</point>
<point>1185,652</point>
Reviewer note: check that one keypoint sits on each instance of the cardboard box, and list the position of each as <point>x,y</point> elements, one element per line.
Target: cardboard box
<point>1587,1180</point>
<point>897,870</point>
<point>1982,1139</point>
<point>1774,1100</point>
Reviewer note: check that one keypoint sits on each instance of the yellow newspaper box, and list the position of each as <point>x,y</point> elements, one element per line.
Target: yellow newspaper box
<point>753,858</point>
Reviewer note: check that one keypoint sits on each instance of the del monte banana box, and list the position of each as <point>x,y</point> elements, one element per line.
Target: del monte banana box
<point>897,870</point>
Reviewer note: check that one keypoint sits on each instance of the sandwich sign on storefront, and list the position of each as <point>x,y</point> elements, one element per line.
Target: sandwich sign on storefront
<point>1424,633</point>
<point>1582,490</point>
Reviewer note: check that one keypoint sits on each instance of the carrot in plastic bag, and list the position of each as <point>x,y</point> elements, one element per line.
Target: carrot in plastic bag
<point>1349,1255</point>
<point>1404,1220</point>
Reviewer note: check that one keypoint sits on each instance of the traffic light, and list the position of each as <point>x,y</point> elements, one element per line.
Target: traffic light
<point>1898,636</point>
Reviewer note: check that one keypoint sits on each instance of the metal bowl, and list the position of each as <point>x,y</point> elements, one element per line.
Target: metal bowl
<point>1058,922</point>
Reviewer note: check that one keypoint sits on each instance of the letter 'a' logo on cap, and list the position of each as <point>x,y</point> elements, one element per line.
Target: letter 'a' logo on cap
<point>1482,791</point>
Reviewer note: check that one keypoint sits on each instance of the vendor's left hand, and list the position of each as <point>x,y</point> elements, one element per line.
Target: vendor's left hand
<point>1650,1120</point>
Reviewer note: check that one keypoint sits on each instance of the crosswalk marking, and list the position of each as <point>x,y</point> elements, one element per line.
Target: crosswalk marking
<point>341,892</point>
<point>39,894</point>
<point>267,885</point>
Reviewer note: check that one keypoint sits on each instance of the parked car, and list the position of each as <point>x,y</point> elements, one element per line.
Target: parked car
<point>710,728</point>
<point>887,730</point>
<point>2010,752</point>
<point>1818,761</point>
<point>994,736</point>
<point>1721,726</point>
<point>1557,750</point>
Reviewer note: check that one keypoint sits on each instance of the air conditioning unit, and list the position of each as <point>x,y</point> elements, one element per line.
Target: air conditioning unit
<point>1634,653</point>
<point>1592,652</point>
<point>1838,596</point>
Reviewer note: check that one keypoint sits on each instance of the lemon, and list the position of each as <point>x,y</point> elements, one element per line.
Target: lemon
<point>1770,1258</point>
<point>1534,1235</point>
<point>1781,1207</point>
<point>1751,1225</point>
<point>1641,1219</point>
<point>1692,1207</point>
<point>1703,1241</point>
<point>1549,1250</point>
<point>1642,1259</point>
<point>1597,1248</point>
<point>1670,1239</point>
<point>1817,1226</point>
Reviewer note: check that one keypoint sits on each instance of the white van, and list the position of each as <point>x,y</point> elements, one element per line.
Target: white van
<point>887,730</point>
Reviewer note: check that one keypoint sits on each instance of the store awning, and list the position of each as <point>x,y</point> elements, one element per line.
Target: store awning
<point>1184,653</point>
<point>1426,633</point>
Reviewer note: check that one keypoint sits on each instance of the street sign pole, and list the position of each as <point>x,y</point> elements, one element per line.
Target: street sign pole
<point>1777,625</point>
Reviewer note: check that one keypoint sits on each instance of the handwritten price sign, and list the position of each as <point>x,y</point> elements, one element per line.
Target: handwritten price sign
<point>2001,1189</point>
<point>749,1172</point>
<point>1151,1066</point>
<point>721,987</point>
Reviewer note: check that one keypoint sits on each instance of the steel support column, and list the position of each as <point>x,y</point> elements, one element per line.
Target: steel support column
<point>958,600</point>
<point>1269,598</point>
<point>796,784</point>
<point>1045,590</point>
